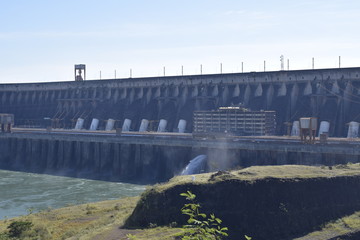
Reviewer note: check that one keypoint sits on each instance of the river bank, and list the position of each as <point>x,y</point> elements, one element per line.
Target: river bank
<point>107,220</point>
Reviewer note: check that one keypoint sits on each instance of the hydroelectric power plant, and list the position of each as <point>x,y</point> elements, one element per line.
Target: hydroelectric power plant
<point>144,129</point>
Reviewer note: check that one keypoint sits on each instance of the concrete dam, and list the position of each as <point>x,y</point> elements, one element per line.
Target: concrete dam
<point>331,95</point>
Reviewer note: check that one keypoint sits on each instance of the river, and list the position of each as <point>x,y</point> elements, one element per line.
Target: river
<point>21,193</point>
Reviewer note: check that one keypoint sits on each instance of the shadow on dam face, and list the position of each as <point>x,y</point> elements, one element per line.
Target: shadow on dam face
<point>133,163</point>
<point>151,160</point>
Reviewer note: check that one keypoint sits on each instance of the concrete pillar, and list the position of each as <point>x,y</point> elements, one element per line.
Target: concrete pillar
<point>183,96</point>
<point>72,94</point>
<point>47,96</point>
<point>52,97</point>
<point>195,91</point>
<point>110,124</point>
<point>3,98</point>
<point>126,125</point>
<point>144,125</point>
<point>25,97</point>
<point>68,158</point>
<point>204,90</point>
<point>60,155</point>
<point>77,155</point>
<point>65,94</point>
<point>166,92</point>
<point>94,124</point>
<point>105,159</point>
<point>225,95</point>
<point>108,93</point>
<point>236,92</point>
<point>79,124</point>
<point>353,131</point>
<point>348,95</point>
<point>33,98</point>
<point>308,89</point>
<point>335,89</point>
<point>258,91</point>
<point>126,159</point>
<point>282,90</point>
<point>86,155</point>
<point>162,125</point>
<point>269,96</point>
<point>102,93</point>
<point>294,96</point>
<point>247,95</point>
<point>295,131</point>
<point>324,127</point>
<point>116,95</point>
<point>96,157</point>
<point>19,97</point>
<point>12,98</point>
<point>182,125</point>
<point>41,96</point>
<point>148,94</point>
<point>157,92</point>
<point>175,91</point>
<point>215,91</point>
<point>116,165</point>
<point>140,93</point>
<point>131,95</point>
<point>123,93</point>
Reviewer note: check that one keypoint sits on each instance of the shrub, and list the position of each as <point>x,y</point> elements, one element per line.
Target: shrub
<point>17,228</point>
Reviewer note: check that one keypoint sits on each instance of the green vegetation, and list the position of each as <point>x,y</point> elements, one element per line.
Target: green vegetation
<point>200,227</point>
<point>18,228</point>
<point>85,221</point>
<point>261,172</point>
<point>336,229</point>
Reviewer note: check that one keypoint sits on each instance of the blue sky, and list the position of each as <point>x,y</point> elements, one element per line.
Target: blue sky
<point>41,40</point>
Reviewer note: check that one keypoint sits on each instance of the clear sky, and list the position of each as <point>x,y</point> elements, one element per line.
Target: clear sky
<point>41,40</point>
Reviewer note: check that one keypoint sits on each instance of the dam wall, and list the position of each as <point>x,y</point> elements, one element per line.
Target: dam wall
<point>332,95</point>
<point>150,159</point>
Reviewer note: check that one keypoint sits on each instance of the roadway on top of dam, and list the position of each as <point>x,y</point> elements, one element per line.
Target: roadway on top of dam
<point>263,143</point>
<point>289,76</point>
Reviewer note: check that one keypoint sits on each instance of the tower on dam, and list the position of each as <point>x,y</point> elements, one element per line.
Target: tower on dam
<point>168,103</point>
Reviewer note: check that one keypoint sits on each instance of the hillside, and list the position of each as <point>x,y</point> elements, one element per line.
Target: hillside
<point>277,202</point>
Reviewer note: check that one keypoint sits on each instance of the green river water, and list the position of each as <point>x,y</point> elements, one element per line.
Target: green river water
<point>21,193</point>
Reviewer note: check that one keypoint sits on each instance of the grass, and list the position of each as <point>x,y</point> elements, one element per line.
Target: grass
<point>97,221</point>
<point>260,172</point>
<point>334,229</point>
<point>82,220</point>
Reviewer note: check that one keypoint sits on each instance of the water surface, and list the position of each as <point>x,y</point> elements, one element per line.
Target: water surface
<point>21,192</point>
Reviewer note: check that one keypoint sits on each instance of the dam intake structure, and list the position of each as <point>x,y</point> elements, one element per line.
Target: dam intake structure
<point>167,103</point>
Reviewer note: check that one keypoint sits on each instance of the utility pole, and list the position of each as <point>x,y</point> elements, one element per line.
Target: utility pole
<point>130,73</point>
<point>164,71</point>
<point>288,65</point>
<point>264,66</point>
<point>282,62</point>
<point>221,68</point>
<point>182,70</point>
<point>339,61</point>
<point>313,63</point>
<point>115,73</point>
<point>200,69</point>
<point>242,67</point>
